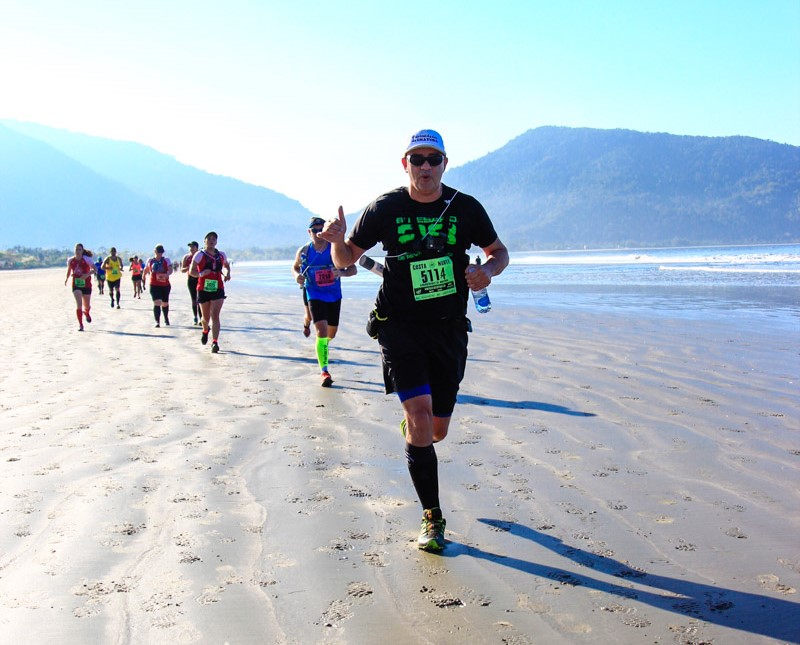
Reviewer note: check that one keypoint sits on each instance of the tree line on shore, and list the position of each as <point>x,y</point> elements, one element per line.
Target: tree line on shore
<point>23,257</point>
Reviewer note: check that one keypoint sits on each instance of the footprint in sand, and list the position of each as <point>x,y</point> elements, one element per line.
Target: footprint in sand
<point>683,545</point>
<point>792,565</point>
<point>510,635</point>
<point>570,508</point>
<point>736,532</point>
<point>358,535</point>
<point>773,583</point>
<point>337,546</point>
<point>359,590</point>
<point>22,531</point>
<point>127,528</point>
<point>443,600</point>
<point>471,597</point>
<point>374,559</point>
<point>636,621</point>
<point>210,595</point>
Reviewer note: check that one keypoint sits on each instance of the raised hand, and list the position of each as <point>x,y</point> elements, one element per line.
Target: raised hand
<point>334,229</point>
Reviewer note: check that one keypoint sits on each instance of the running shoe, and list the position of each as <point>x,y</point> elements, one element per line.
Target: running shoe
<point>327,381</point>
<point>87,316</point>
<point>204,337</point>
<point>80,328</point>
<point>214,347</point>
<point>158,324</point>
<point>166,321</point>
<point>117,305</point>
<point>112,304</point>
<point>431,532</point>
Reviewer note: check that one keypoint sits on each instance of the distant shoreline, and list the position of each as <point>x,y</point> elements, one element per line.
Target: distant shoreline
<point>18,257</point>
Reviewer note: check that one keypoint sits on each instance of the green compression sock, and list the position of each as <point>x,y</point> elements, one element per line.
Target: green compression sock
<point>322,353</point>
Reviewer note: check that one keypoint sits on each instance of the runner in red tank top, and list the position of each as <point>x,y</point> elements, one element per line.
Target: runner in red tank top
<point>81,268</point>
<point>208,266</point>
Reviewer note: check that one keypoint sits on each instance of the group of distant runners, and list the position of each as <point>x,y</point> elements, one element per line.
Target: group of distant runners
<point>419,320</point>
<point>208,270</point>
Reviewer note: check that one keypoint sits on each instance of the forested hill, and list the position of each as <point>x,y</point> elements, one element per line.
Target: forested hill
<point>558,187</point>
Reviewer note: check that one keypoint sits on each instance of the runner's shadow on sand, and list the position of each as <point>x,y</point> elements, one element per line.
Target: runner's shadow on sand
<point>262,312</point>
<point>522,405</point>
<point>748,612</point>
<point>373,386</point>
<point>255,330</point>
<point>310,360</point>
<point>128,333</point>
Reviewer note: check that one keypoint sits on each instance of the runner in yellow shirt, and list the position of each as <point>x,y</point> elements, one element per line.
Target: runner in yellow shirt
<point>112,265</point>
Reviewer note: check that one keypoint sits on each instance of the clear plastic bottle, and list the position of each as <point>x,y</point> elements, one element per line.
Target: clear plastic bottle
<point>481,297</point>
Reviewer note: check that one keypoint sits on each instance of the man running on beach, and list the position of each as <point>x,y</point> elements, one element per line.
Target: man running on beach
<point>100,274</point>
<point>113,268</point>
<point>191,281</point>
<point>314,271</point>
<point>426,229</point>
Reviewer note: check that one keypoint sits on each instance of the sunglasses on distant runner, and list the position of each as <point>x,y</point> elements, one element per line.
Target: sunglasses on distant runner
<point>418,160</point>
<point>316,229</point>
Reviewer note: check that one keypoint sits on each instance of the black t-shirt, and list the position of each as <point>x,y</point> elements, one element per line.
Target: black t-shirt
<point>425,245</point>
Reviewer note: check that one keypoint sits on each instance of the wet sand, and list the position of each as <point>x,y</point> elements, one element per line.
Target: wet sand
<point>606,479</point>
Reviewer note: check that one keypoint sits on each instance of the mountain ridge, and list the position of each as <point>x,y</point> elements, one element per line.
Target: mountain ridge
<point>185,202</point>
<point>551,187</point>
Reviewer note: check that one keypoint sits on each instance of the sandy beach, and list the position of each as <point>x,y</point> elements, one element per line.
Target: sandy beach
<point>606,480</point>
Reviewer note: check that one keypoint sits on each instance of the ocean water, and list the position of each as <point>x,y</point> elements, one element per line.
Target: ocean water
<point>741,285</point>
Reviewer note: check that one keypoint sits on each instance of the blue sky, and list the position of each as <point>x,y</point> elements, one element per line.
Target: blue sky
<point>317,99</point>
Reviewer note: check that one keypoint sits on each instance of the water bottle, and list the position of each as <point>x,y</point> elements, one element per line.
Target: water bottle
<point>481,297</point>
<point>371,265</point>
<point>302,285</point>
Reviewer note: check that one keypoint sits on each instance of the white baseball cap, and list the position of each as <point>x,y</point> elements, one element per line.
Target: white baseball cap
<point>426,139</point>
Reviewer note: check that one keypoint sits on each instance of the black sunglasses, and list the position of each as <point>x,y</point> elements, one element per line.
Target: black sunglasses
<point>418,160</point>
<point>314,229</point>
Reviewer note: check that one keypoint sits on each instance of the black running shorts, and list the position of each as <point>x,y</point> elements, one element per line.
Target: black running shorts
<point>416,354</point>
<point>208,296</point>
<point>327,311</point>
<point>160,292</point>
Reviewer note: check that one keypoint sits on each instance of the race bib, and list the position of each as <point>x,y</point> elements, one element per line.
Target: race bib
<point>80,283</point>
<point>324,277</point>
<point>211,285</point>
<point>433,278</point>
<point>162,278</point>
<point>114,271</point>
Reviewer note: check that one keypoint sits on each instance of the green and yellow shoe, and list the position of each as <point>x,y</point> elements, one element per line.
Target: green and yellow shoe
<point>431,532</point>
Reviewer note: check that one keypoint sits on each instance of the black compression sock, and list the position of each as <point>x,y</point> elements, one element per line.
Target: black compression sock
<point>423,466</point>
